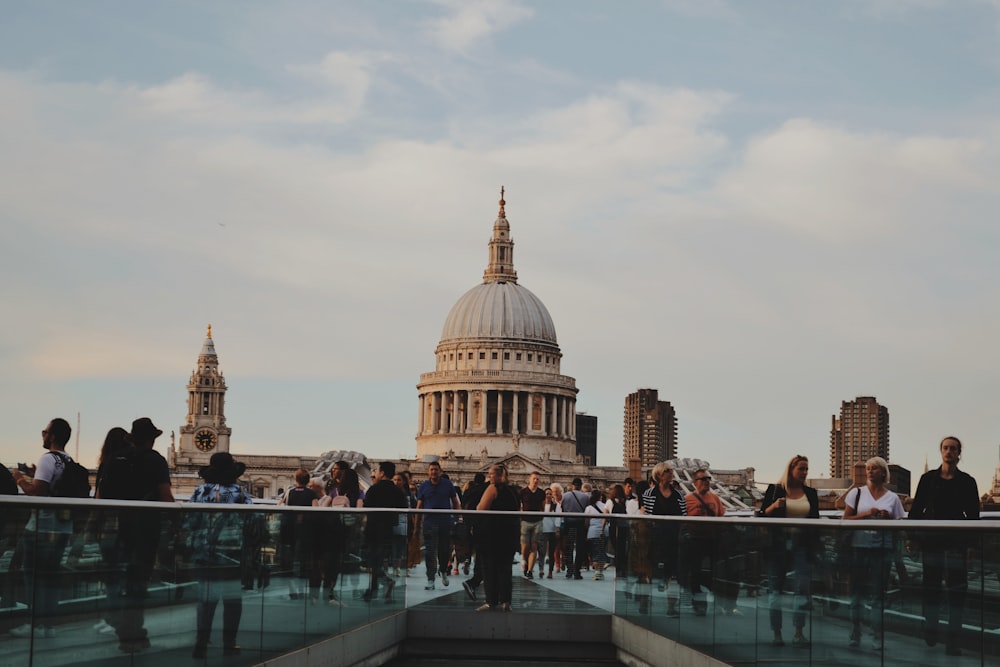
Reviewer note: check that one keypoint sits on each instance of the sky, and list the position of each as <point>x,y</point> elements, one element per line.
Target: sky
<point>761,209</point>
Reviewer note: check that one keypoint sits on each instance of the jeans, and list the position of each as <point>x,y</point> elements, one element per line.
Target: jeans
<point>437,548</point>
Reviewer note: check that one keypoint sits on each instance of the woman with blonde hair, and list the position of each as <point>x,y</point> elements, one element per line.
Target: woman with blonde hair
<point>871,550</point>
<point>792,548</point>
<point>663,499</point>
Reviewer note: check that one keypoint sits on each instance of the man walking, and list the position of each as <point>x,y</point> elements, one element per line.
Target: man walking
<point>945,494</point>
<point>532,500</point>
<point>575,500</point>
<point>470,501</point>
<point>379,526</point>
<point>436,493</point>
<point>139,473</point>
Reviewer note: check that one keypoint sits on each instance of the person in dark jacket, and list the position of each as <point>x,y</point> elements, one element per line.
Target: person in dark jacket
<point>792,548</point>
<point>945,494</point>
<point>379,526</point>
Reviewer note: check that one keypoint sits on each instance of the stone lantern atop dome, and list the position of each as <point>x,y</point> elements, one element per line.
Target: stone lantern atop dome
<point>497,376</point>
<point>501,267</point>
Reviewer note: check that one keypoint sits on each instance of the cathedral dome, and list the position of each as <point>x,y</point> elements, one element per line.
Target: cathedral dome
<point>499,310</point>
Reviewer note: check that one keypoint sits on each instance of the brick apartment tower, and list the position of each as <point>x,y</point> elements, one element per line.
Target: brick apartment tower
<point>859,433</point>
<point>650,430</point>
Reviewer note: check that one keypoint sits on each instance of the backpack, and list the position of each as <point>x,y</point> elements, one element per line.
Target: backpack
<point>74,481</point>
<point>122,477</point>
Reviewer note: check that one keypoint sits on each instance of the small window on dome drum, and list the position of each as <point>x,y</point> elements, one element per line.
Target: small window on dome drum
<point>494,356</point>
<point>529,356</point>
<point>518,357</point>
<point>482,355</point>
<point>506,356</point>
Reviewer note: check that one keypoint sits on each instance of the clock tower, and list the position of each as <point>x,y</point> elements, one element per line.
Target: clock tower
<point>205,431</point>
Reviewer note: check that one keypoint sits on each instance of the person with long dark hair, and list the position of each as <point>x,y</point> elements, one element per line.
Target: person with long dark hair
<point>792,549</point>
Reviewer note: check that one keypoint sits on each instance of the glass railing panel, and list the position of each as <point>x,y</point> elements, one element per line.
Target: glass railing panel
<point>735,581</point>
<point>92,582</point>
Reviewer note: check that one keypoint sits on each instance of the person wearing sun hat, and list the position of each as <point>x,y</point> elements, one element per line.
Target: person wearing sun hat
<point>219,571</point>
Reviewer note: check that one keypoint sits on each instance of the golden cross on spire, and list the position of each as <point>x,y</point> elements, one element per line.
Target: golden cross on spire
<point>209,334</point>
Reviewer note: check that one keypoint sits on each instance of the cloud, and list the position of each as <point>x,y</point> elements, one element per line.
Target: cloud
<point>836,185</point>
<point>474,21</point>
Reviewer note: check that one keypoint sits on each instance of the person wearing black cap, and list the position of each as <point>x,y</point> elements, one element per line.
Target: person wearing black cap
<point>219,577</point>
<point>139,531</point>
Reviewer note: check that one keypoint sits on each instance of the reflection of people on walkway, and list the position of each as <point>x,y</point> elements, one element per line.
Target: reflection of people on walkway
<point>945,494</point>
<point>47,532</point>
<point>436,493</point>
<point>498,542</point>
<point>662,499</point>
<point>703,502</point>
<point>791,548</point>
<point>871,550</point>
<point>216,541</point>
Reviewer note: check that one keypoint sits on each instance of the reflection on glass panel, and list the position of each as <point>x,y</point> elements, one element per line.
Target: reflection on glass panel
<point>99,581</point>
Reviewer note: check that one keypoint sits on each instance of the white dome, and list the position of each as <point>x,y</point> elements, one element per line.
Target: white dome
<point>499,310</point>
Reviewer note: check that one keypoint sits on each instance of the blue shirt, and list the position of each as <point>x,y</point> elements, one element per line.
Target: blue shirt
<point>437,497</point>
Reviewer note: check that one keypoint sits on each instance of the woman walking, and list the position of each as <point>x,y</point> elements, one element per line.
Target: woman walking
<point>871,550</point>
<point>792,548</point>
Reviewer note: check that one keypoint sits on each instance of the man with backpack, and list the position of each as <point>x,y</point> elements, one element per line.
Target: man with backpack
<point>48,530</point>
<point>137,472</point>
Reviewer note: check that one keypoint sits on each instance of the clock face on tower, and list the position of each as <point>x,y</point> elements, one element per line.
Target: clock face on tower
<point>205,440</point>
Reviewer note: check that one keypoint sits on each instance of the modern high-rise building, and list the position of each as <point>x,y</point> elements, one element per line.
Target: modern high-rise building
<point>650,429</point>
<point>586,437</point>
<point>859,433</point>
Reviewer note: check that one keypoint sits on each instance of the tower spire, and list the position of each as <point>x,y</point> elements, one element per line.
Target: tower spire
<point>501,249</point>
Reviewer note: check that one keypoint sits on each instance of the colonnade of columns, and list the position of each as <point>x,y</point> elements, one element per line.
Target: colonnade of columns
<point>481,411</point>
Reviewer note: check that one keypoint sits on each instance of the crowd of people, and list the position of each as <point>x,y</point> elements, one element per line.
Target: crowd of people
<point>544,530</point>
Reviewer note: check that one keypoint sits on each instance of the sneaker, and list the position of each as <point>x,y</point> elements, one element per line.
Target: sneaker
<point>876,644</point>
<point>530,574</point>
<point>334,602</point>
<point>430,585</point>
<point>24,631</point>
<point>505,606</point>
<point>800,642</point>
<point>444,579</point>
<point>231,649</point>
<point>549,576</point>
<point>469,590</point>
<point>485,607</point>
<point>101,625</point>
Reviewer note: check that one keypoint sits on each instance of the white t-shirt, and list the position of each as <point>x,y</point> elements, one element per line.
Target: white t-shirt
<point>49,469</point>
<point>889,502</point>
<point>596,527</point>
